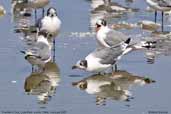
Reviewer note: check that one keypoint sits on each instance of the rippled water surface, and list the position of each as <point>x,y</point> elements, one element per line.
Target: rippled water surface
<point>56,88</point>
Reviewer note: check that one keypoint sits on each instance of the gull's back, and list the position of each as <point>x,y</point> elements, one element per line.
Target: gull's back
<point>114,37</point>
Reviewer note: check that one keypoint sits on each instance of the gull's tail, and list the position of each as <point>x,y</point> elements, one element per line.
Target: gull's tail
<point>128,41</point>
<point>125,44</point>
<point>149,44</point>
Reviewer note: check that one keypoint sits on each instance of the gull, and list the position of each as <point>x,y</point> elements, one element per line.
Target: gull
<point>159,5</point>
<point>37,4</point>
<point>102,59</point>
<point>40,54</point>
<point>51,23</point>
<point>109,6</point>
<point>107,37</point>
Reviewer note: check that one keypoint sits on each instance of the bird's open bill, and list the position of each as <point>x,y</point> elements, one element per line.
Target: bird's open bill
<point>97,27</point>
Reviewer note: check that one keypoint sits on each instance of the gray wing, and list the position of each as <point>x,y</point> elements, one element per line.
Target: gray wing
<point>108,55</point>
<point>41,51</point>
<point>115,37</point>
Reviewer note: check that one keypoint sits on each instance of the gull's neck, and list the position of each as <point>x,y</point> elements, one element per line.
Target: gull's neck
<point>104,29</point>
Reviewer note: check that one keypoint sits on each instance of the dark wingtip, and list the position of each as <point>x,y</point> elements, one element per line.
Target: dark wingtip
<point>23,52</point>
<point>128,41</point>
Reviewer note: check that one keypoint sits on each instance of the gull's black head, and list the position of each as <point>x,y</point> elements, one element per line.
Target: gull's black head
<point>100,23</point>
<point>82,64</point>
<point>51,12</point>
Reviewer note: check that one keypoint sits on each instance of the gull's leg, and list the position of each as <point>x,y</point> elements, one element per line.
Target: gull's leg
<point>32,68</point>
<point>112,69</point>
<point>43,12</point>
<point>35,13</point>
<point>162,21</point>
<point>54,42</point>
<point>116,68</point>
<point>155,18</point>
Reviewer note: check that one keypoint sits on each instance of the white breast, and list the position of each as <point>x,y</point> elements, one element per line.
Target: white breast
<point>94,65</point>
<point>52,25</point>
<point>102,35</point>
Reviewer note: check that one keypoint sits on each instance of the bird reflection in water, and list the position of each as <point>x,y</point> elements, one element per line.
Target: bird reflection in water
<point>113,86</point>
<point>43,84</point>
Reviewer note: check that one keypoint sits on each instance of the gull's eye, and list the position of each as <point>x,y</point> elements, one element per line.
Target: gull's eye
<point>81,64</point>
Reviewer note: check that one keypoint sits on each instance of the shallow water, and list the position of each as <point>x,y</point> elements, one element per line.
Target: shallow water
<point>71,45</point>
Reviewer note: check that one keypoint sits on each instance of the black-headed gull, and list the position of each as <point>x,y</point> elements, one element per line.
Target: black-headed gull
<point>107,37</point>
<point>102,59</point>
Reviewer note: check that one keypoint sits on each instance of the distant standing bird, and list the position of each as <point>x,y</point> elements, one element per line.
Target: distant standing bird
<point>40,53</point>
<point>159,5</point>
<point>51,23</point>
<point>37,4</point>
